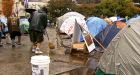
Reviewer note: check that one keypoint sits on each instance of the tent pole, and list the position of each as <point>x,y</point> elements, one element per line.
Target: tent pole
<point>93,37</point>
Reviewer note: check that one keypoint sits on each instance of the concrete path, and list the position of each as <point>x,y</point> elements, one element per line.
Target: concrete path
<point>16,61</point>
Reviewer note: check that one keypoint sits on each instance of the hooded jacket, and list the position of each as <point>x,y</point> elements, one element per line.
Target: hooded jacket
<point>38,21</point>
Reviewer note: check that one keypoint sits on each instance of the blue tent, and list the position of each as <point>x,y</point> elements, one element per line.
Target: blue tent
<point>105,36</point>
<point>101,36</point>
<point>95,25</point>
<point>111,34</point>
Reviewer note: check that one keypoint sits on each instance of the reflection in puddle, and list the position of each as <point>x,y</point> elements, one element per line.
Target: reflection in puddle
<point>79,71</point>
<point>89,65</point>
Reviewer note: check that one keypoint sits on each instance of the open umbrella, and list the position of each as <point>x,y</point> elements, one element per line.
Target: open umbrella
<point>30,10</point>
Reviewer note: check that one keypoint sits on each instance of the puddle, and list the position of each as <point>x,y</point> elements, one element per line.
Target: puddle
<point>89,65</point>
<point>78,71</point>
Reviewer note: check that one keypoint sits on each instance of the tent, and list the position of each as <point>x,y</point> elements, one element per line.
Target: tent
<point>95,25</point>
<point>105,36</point>
<point>61,19</point>
<point>132,19</point>
<point>68,25</point>
<point>122,56</point>
<point>74,14</point>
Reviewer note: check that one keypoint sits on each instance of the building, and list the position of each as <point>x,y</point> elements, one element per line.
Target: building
<point>36,4</point>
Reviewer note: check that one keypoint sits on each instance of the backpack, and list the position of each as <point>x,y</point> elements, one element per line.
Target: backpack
<point>14,21</point>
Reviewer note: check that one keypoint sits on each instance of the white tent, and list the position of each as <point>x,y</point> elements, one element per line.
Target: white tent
<point>122,57</point>
<point>73,14</point>
<point>68,25</point>
<point>61,19</point>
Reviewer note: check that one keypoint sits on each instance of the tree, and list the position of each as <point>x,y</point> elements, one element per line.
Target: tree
<point>116,7</point>
<point>136,1</point>
<point>86,9</point>
<point>7,6</point>
<point>58,8</point>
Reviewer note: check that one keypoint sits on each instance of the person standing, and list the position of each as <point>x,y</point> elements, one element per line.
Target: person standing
<point>1,34</point>
<point>3,21</point>
<point>14,30</point>
<point>37,28</point>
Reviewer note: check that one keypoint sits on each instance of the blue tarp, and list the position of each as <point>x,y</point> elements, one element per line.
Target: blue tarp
<point>107,35</point>
<point>101,36</point>
<point>95,25</point>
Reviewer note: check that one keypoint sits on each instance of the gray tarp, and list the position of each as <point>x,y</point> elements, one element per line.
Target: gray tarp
<point>122,57</point>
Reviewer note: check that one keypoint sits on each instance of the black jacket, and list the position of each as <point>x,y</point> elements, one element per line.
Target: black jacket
<point>38,21</point>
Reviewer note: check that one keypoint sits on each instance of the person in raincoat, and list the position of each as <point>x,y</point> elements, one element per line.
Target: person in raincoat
<point>37,28</point>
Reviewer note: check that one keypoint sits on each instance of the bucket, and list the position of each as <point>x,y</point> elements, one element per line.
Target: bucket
<point>40,65</point>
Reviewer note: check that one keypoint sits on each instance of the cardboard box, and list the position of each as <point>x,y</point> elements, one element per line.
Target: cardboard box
<point>81,46</point>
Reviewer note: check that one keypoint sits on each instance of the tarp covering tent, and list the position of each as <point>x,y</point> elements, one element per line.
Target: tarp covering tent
<point>95,25</point>
<point>68,25</point>
<point>122,56</point>
<point>61,19</point>
<point>105,36</point>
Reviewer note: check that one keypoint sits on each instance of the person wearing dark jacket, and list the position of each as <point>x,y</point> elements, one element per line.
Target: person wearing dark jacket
<point>14,30</point>
<point>37,27</point>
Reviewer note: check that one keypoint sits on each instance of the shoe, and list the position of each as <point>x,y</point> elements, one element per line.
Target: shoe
<point>1,45</point>
<point>13,46</point>
<point>18,43</point>
<point>38,51</point>
<point>33,50</point>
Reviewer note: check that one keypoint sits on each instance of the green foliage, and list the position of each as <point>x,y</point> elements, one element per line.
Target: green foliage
<point>57,8</point>
<point>106,7</point>
<point>116,7</point>
<point>86,9</point>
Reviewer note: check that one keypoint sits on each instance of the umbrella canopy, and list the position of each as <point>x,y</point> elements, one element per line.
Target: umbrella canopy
<point>30,10</point>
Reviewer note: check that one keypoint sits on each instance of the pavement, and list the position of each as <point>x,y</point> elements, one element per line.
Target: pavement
<point>16,61</point>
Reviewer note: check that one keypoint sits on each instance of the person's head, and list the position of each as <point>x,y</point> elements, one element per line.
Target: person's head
<point>44,9</point>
